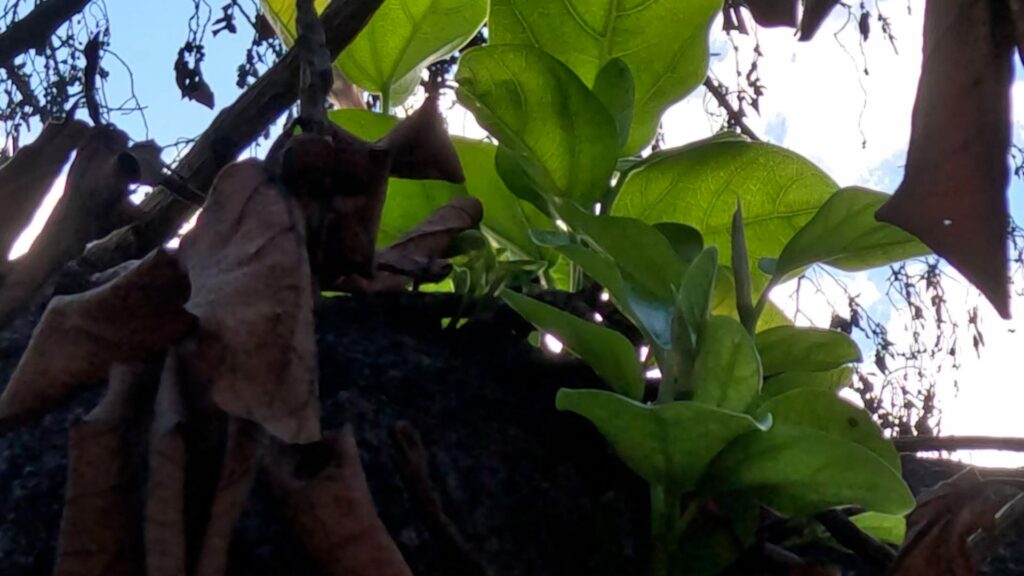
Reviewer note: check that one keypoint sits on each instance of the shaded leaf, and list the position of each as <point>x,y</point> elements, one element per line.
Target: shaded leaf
<point>421,148</point>
<point>685,240</point>
<point>799,472</point>
<point>608,352</point>
<point>246,257</point>
<point>792,349</point>
<point>614,87</point>
<point>828,380</point>
<point>773,13</point>
<point>334,493</point>
<point>826,412</point>
<point>127,320</point>
<point>953,194</point>
<point>560,132</point>
<point>727,373</point>
<point>664,43</point>
<point>699,185</point>
<point>147,156</point>
<point>667,444</point>
<point>693,302</point>
<point>844,234</point>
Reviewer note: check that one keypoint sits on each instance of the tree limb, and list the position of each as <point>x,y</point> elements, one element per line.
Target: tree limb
<point>35,29</point>
<point>951,443</point>
<point>231,131</point>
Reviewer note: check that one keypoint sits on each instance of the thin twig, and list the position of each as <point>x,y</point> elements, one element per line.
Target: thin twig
<point>952,443</point>
<point>92,66</point>
<point>735,116</point>
<point>315,77</point>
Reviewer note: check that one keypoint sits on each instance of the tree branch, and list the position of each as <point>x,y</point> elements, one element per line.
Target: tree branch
<point>951,443</point>
<point>735,117</point>
<point>35,29</point>
<point>231,131</point>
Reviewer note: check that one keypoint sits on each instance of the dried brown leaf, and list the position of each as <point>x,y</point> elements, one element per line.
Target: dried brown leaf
<point>421,148</point>
<point>252,292</point>
<point>332,511</point>
<point>27,177</point>
<point>773,13</point>
<point>164,531</point>
<point>953,195</point>
<point>129,319</point>
<point>151,167</point>
<point>242,458</point>
<point>940,527</point>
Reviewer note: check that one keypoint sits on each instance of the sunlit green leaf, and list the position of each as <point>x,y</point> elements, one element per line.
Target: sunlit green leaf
<point>792,349</point>
<point>800,471</point>
<point>664,43</point>
<point>560,133</point>
<point>609,353</point>
<point>668,444</point>
<point>889,528</point>
<point>826,412</point>
<point>828,380</point>
<point>844,234</point>
<point>699,185</point>
<point>693,302</point>
<point>727,373</point>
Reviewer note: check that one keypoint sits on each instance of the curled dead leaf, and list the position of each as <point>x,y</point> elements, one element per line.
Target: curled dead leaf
<point>331,509</point>
<point>953,195</point>
<point>138,314</point>
<point>164,524</point>
<point>27,177</point>
<point>252,292</point>
<point>421,148</point>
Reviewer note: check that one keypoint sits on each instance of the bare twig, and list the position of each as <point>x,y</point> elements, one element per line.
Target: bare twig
<point>735,117</point>
<point>231,131</point>
<point>24,87</point>
<point>92,66</point>
<point>35,29</point>
<point>951,443</point>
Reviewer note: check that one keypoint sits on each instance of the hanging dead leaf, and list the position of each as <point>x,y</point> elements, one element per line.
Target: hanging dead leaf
<point>165,500</point>
<point>97,184</point>
<point>252,292</point>
<point>129,319</point>
<point>99,531</point>
<point>953,195</point>
<point>421,148</point>
<point>151,167</point>
<point>940,528</point>
<point>242,459</point>
<point>331,509</point>
<point>27,177</point>
<point>774,13</point>
<point>815,13</point>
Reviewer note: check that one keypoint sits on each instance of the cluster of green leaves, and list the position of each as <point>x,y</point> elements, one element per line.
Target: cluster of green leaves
<point>746,411</point>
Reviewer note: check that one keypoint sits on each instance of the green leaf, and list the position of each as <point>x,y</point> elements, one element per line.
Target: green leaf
<point>668,444</point>
<point>365,124</point>
<point>828,380</point>
<point>694,300</point>
<point>889,528</point>
<point>560,133</point>
<point>664,43</point>
<point>799,472</point>
<point>792,349</point>
<point>614,87</point>
<point>699,185</point>
<point>638,249</point>
<point>685,240</point>
<point>824,411</point>
<point>727,373</point>
<point>609,353</point>
<point>402,37</point>
<point>844,234</point>
<point>409,202</point>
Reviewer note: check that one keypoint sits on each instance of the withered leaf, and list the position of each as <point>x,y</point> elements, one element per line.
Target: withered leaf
<point>815,13</point>
<point>28,176</point>
<point>134,316</point>
<point>953,195</point>
<point>165,500</point>
<point>336,496</point>
<point>252,292</point>
<point>100,529</point>
<point>421,148</point>
<point>151,167</point>
<point>774,13</point>
<point>242,459</point>
<point>940,527</point>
